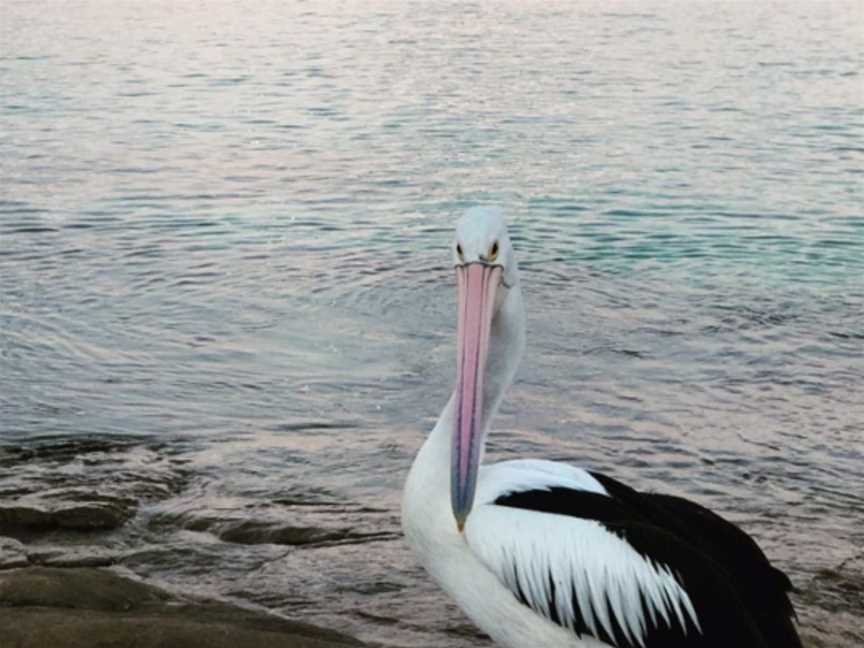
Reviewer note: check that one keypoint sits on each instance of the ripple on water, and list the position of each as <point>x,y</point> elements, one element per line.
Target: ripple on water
<point>235,276</point>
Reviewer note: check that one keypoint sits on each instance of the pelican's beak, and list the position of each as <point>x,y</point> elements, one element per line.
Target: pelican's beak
<point>478,283</point>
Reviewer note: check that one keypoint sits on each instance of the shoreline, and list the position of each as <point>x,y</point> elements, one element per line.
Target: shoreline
<point>91,607</point>
<point>74,566</point>
<point>86,607</point>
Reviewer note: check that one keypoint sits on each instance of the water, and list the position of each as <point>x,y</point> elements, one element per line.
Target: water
<point>224,291</point>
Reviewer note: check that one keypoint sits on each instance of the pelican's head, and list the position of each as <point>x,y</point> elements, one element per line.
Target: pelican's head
<point>485,271</point>
<point>481,237</point>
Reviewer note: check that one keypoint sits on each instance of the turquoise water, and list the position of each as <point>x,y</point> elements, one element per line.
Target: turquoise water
<point>223,239</point>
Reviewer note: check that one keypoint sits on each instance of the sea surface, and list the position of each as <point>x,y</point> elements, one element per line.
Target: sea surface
<point>225,292</point>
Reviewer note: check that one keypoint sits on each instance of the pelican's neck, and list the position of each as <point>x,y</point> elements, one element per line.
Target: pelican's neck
<point>506,343</point>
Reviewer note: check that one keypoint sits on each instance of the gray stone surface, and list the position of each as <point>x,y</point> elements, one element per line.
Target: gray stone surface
<point>12,553</point>
<point>97,608</point>
<point>80,516</point>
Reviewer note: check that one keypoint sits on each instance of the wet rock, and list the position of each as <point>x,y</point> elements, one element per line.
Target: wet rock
<point>191,521</point>
<point>84,483</point>
<point>61,449</point>
<point>94,515</point>
<point>81,485</point>
<point>79,589</point>
<point>830,607</point>
<point>12,554</point>
<point>256,532</point>
<point>252,532</point>
<point>88,608</point>
<point>82,516</point>
<point>77,556</point>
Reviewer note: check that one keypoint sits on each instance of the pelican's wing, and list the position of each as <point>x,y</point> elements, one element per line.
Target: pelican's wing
<point>566,546</point>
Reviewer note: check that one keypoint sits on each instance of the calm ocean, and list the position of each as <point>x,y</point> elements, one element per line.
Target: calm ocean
<point>224,273</point>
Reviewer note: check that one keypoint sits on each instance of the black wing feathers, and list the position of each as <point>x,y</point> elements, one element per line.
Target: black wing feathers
<point>740,599</point>
<point>762,588</point>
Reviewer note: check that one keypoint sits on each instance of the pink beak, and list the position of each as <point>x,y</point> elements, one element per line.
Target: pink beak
<point>478,284</point>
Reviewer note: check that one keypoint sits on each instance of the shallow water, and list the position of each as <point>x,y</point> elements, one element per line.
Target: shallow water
<point>224,291</point>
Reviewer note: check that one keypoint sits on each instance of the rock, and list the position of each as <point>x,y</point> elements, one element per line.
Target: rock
<point>81,588</point>
<point>12,554</point>
<point>78,516</point>
<point>252,532</point>
<point>829,607</point>
<point>95,608</point>
<point>82,484</point>
<point>78,556</point>
<point>255,532</point>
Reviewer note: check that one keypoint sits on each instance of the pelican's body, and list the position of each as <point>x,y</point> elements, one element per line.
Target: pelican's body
<point>447,556</point>
<point>541,554</point>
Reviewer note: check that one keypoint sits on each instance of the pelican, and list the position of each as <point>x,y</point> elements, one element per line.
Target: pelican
<point>541,554</point>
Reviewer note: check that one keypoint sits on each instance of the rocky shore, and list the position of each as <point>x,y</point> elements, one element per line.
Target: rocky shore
<point>91,607</point>
<point>67,532</point>
<point>85,607</point>
<point>88,526</point>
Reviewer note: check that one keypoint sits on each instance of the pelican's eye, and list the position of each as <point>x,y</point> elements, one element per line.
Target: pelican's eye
<point>459,252</point>
<point>493,252</point>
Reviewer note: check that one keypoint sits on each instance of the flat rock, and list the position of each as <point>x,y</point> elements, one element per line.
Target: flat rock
<point>97,608</point>
<point>77,556</point>
<point>253,532</point>
<point>79,516</point>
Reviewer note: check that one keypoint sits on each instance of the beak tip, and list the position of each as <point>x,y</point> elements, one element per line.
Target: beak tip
<point>460,523</point>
